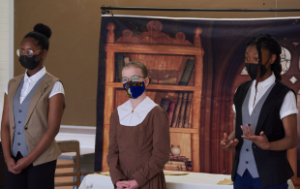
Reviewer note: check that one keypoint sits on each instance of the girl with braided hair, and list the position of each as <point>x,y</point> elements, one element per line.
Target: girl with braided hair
<point>266,120</point>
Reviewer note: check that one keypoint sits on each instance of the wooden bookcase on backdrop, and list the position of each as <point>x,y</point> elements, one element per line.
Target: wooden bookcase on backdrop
<point>155,43</point>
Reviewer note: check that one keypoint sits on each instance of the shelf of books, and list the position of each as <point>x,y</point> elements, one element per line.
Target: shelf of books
<point>160,87</point>
<point>176,72</point>
<point>178,106</point>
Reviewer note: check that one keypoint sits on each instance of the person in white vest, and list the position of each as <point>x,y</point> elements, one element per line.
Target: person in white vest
<point>266,120</point>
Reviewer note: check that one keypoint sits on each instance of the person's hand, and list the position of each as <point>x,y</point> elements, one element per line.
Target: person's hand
<point>121,184</point>
<point>10,164</point>
<point>22,164</point>
<point>261,140</point>
<point>228,144</point>
<point>132,184</point>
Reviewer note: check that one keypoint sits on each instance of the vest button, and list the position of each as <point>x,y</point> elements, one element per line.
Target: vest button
<point>247,149</point>
<point>19,144</point>
<point>26,128</point>
<point>19,122</point>
<point>20,111</point>
<point>19,133</point>
<point>246,162</point>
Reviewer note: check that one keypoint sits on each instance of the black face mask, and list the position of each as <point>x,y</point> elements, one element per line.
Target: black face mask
<point>253,68</point>
<point>29,62</point>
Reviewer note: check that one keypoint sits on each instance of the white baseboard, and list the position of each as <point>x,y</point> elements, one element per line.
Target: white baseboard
<point>91,130</point>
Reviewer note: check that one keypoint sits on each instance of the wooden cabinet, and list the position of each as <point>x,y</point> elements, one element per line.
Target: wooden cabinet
<point>157,51</point>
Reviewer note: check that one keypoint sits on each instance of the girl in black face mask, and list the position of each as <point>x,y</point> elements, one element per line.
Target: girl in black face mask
<point>33,107</point>
<point>266,122</point>
<point>34,48</point>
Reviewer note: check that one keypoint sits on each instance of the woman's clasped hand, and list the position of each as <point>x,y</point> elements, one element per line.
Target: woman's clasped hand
<point>129,184</point>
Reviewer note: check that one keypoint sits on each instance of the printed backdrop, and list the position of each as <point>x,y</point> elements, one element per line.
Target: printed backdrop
<point>196,66</point>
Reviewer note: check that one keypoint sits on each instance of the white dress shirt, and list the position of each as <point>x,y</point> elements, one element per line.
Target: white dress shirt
<point>288,106</point>
<point>29,83</point>
<point>132,117</point>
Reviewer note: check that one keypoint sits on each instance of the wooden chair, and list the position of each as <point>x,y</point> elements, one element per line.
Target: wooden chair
<point>69,146</point>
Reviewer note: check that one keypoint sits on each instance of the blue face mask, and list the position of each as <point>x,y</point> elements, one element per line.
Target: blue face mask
<point>134,89</point>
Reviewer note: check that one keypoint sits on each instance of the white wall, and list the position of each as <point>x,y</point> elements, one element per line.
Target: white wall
<point>6,37</point>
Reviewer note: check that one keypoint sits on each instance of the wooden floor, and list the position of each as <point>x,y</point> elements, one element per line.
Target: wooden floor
<point>64,179</point>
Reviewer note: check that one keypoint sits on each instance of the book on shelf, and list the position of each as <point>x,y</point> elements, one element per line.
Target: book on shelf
<point>177,110</point>
<point>164,104</point>
<point>188,111</point>
<point>170,81</point>
<point>187,72</point>
<point>181,68</point>
<point>181,117</point>
<point>176,163</point>
<point>166,77</point>
<point>119,62</point>
<point>171,112</point>
<point>176,167</point>
<point>178,158</point>
<point>126,60</point>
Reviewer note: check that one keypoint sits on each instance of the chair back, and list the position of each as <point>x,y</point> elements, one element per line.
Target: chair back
<point>69,146</point>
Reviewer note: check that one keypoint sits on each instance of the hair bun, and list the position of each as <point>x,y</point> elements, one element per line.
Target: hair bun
<point>43,29</point>
<point>268,35</point>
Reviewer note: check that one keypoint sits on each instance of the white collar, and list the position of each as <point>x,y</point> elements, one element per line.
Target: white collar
<point>36,76</point>
<point>129,118</point>
<point>267,82</point>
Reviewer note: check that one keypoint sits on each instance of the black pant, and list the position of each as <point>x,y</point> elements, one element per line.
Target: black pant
<point>32,177</point>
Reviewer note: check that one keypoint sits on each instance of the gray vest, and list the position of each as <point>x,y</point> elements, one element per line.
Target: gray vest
<point>20,114</point>
<point>247,160</point>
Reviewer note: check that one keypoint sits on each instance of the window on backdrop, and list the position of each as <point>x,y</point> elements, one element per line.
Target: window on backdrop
<point>285,60</point>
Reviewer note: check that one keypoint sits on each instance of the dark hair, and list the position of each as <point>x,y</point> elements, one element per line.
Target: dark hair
<point>41,34</point>
<point>140,65</point>
<point>266,41</point>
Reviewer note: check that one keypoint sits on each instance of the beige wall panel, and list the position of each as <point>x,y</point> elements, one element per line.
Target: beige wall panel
<point>73,54</point>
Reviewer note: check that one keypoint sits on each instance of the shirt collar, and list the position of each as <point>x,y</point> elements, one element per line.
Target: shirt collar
<point>36,76</point>
<point>130,117</point>
<point>145,104</point>
<point>269,81</point>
